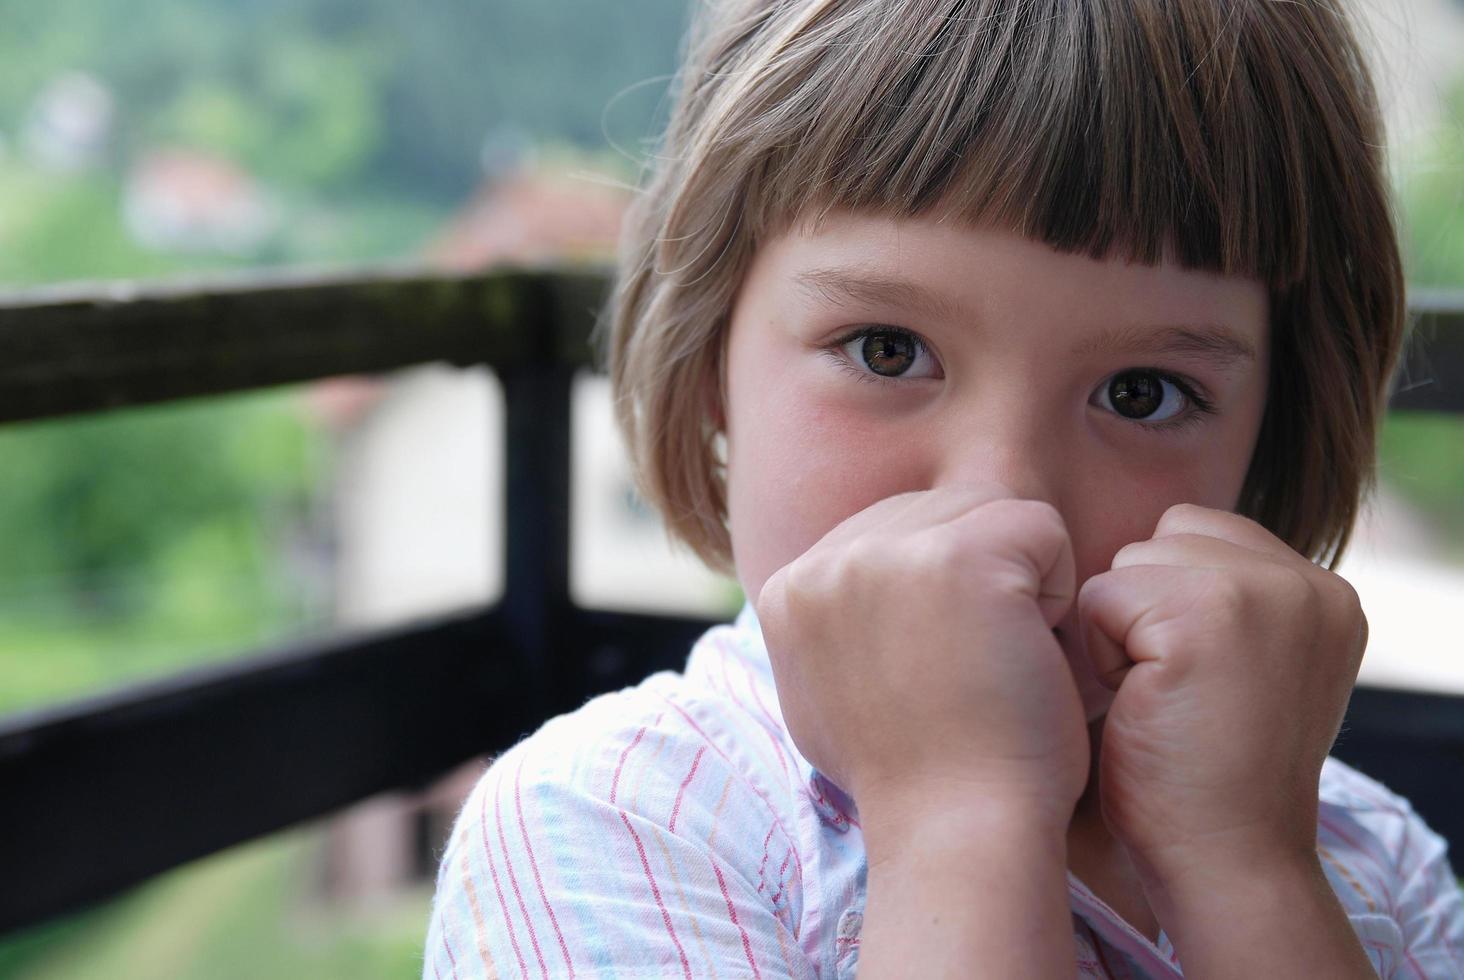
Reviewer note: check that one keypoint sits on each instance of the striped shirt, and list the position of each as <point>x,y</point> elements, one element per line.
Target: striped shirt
<point>673,829</point>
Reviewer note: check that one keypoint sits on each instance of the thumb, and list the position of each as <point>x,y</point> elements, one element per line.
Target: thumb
<point>1104,630</point>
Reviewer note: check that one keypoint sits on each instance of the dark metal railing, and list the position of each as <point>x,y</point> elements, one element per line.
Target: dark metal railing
<point>1431,376</point>
<point>100,793</point>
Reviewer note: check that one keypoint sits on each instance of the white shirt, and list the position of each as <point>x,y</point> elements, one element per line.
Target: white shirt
<point>672,829</point>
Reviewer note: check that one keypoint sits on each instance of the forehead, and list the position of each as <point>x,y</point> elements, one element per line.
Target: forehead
<point>947,270</point>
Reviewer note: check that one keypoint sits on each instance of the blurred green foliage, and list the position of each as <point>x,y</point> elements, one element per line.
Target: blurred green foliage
<point>142,539</point>
<point>85,494</point>
<point>135,541</point>
<point>346,95</point>
<point>59,228</point>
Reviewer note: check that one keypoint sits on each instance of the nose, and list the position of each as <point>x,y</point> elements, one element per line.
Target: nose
<point>1003,440</point>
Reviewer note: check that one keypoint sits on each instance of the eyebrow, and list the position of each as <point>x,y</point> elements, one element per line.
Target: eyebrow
<point>1213,342</point>
<point>870,288</point>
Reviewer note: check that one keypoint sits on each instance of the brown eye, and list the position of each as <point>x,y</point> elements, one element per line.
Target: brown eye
<point>885,353</point>
<point>1144,395</point>
<point>889,353</point>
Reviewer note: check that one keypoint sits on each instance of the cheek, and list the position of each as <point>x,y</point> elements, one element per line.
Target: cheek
<point>798,466</point>
<point>1113,508</point>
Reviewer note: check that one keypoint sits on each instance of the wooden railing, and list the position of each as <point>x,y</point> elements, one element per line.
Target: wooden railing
<point>101,793</point>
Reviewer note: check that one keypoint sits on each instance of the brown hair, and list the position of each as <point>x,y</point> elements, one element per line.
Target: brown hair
<point>1243,135</point>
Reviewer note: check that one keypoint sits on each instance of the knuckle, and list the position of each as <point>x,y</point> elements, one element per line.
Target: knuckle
<point>1130,554</point>
<point>1172,638</point>
<point>773,614</point>
<point>1281,587</point>
<point>1189,520</point>
<point>1344,606</point>
<point>801,588</point>
<point>1341,592</point>
<point>831,575</point>
<point>1230,594</point>
<point>863,556</point>
<point>1044,515</point>
<point>772,597</point>
<point>939,556</point>
<point>1181,516</point>
<point>1294,582</point>
<point>1191,542</point>
<point>1022,518</point>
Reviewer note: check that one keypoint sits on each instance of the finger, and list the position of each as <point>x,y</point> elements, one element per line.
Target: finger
<point>1190,551</point>
<point>1194,519</point>
<point>916,510</point>
<point>1111,606</point>
<point>771,606</point>
<point>1032,536</point>
<point>931,508</point>
<point>1110,663</point>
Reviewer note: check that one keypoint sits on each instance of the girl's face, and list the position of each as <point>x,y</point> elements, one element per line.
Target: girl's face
<point>875,356</point>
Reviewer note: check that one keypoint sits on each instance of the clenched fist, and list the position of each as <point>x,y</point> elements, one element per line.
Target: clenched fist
<point>915,661</point>
<point>1233,657</point>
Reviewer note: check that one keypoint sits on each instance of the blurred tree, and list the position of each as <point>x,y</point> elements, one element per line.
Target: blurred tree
<point>67,227</point>
<point>340,95</point>
<point>561,70</point>
<point>97,508</point>
<point>311,120</point>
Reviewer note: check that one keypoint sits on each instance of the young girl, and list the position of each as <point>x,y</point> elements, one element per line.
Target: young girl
<point>1023,360</point>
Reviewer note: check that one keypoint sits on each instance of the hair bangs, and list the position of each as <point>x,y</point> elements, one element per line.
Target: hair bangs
<point>1120,128</point>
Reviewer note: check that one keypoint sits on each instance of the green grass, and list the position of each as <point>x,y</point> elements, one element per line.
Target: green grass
<point>249,913</point>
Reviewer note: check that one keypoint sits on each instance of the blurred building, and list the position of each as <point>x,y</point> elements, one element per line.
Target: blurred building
<point>188,201</point>
<point>532,215</point>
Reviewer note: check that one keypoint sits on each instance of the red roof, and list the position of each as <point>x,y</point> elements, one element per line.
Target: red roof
<point>534,216</point>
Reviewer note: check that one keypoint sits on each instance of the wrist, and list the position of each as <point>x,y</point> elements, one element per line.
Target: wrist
<point>1250,884</point>
<point>1226,869</point>
<point>964,824</point>
<point>975,882</point>
<point>1275,918</point>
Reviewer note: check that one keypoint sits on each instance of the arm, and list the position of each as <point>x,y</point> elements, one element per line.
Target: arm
<point>1270,918</point>
<point>917,668</point>
<point>1232,658</point>
<point>966,891</point>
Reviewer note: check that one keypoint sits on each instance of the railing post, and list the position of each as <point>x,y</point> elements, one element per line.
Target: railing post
<point>536,606</point>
